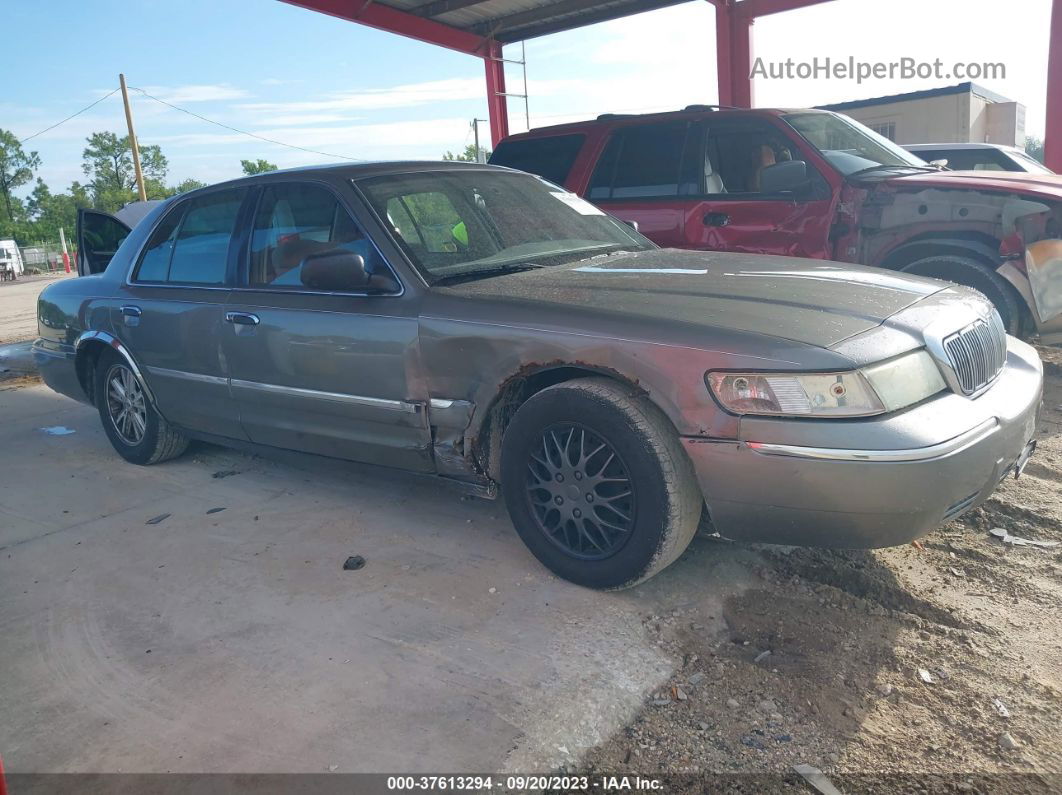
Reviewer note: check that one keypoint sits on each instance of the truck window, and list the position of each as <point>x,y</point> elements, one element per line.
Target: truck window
<point>647,161</point>
<point>550,157</point>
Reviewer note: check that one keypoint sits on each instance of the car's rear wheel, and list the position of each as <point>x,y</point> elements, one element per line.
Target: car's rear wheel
<point>597,483</point>
<point>136,430</point>
<point>971,272</point>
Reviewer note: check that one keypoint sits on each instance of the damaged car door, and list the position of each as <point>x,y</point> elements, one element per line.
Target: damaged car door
<point>320,337</point>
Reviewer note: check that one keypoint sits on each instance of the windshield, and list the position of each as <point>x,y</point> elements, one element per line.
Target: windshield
<point>466,223</point>
<point>1029,163</point>
<point>848,145</point>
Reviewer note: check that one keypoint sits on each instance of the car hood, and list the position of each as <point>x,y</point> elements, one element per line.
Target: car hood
<point>808,301</point>
<point>1046,185</point>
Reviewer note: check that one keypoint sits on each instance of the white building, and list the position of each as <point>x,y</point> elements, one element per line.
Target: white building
<point>953,114</point>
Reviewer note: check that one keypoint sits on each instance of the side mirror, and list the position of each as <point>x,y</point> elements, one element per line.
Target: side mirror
<point>336,270</point>
<point>789,176</point>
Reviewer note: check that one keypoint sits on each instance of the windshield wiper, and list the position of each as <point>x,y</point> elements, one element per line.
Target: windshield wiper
<point>486,273</point>
<point>886,167</point>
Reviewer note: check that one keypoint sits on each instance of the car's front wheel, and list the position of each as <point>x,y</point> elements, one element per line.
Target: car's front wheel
<point>136,430</point>
<point>597,483</point>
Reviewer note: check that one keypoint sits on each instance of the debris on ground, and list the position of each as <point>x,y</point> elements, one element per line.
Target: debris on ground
<point>817,779</point>
<point>224,473</point>
<point>57,430</point>
<point>156,519</point>
<point>353,563</point>
<point>1018,541</point>
<point>215,510</point>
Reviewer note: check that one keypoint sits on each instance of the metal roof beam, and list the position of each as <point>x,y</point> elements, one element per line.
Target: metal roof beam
<point>506,30</point>
<point>440,7</point>
<point>763,8</point>
<point>381,17</point>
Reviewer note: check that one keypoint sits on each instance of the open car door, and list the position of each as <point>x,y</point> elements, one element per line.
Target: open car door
<point>98,237</point>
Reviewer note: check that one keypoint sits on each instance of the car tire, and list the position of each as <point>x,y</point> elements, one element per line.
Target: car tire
<point>971,272</point>
<point>139,433</point>
<point>565,492</point>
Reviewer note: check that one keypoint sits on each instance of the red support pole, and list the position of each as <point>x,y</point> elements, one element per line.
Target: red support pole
<point>741,61</point>
<point>497,102</point>
<point>723,11</point>
<point>1053,136</point>
<point>733,53</point>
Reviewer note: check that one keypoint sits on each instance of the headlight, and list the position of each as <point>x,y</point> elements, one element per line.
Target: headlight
<point>876,389</point>
<point>905,380</point>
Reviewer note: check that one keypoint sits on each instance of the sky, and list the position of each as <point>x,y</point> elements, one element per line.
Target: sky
<point>343,89</point>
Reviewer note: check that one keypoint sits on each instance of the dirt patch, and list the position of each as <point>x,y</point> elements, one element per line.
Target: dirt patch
<point>18,380</point>
<point>942,662</point>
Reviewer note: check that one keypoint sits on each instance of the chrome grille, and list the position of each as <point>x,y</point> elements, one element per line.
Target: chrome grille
<point>977,353</point>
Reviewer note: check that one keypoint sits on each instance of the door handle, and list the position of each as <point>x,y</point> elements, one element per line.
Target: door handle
<point>242,318</point>
<point>716,219</point>
<point>131,315</point>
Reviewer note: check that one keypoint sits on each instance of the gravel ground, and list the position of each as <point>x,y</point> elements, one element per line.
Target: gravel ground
<point>18,305</point>
<point>931,666</point>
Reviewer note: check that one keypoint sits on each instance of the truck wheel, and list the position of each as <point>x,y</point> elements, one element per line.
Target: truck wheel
<point>597,483</point>
<point>971,272</point>
<point>136,430</point>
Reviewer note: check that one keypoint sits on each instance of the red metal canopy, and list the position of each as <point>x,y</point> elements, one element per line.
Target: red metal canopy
<point>481,27</point>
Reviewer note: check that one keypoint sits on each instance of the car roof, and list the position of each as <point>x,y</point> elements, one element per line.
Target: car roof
<point>356,170</point>
<point>690,111</point>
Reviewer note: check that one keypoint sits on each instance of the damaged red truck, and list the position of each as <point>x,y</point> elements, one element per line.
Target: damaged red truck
<point>812,183</point>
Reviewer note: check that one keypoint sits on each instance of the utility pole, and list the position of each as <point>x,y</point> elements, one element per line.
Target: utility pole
<point>132,141</point>
<point>475,128</point>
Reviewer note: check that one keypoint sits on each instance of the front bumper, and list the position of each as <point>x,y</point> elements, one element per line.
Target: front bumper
<point>874,482</point>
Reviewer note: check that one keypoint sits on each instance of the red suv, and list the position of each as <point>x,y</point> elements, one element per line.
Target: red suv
<point>811,183</point>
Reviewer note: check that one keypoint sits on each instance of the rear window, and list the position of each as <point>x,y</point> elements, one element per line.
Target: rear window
<point>551,157</point>
<point>647,161</point>
<point>191,244</point>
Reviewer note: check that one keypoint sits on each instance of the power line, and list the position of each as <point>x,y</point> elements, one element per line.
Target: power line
<point>237,130</point>
<point>68,118</point>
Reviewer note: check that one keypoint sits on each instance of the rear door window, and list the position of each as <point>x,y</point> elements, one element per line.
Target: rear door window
<point>550,157</point>
<point>647,161</point>
<point>191,244</point>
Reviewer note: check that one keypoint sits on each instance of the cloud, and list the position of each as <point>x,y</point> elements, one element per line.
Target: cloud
<point>403,96</point>
<point>196,93</point>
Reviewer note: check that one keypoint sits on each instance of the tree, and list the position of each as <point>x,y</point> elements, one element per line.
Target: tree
<point>16,169</point>
<point>1034,147</point>
<point>108,163</point>
<point>469,155</point>
<point>49,211</point>
<point>187,185</point>
<point>259,166</point>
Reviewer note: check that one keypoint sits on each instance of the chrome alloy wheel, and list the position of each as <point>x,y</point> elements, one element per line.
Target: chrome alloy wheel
<point>126,405</point>
<point>580,491</point>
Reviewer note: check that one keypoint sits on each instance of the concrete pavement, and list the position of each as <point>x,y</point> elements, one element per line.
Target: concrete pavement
<point>234,641</point>
<point>18,305</point>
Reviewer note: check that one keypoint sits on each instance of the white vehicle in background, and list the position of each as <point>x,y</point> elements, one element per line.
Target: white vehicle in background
<point>980,157</point>
<point>11,266</point>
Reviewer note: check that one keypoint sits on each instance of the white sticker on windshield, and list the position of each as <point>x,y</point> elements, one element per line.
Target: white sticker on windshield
<point>595,269</point>
<point>580,206</point>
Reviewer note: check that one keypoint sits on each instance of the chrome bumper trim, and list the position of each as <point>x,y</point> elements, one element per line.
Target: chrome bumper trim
<point>960,442</point>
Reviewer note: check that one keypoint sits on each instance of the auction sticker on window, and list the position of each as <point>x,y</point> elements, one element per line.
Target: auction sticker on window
<point>580,206</point>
